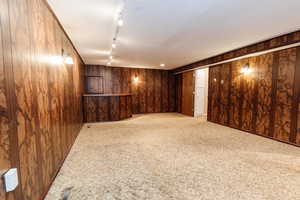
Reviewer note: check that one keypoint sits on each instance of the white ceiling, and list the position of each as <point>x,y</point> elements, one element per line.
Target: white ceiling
<point>174,32</point>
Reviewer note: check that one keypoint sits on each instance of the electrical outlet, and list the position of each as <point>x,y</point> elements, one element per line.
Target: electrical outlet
<point>11,180</point>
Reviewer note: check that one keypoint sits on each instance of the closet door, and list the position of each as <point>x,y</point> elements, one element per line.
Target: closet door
<point>188,87</point>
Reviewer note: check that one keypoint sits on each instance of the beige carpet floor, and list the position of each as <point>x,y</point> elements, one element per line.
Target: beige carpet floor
<point>170,156</point>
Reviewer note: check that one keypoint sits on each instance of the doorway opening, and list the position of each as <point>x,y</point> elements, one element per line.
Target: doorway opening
<point>201,93</point>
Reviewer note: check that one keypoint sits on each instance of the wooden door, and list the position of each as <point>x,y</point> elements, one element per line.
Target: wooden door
<point>188,87</point>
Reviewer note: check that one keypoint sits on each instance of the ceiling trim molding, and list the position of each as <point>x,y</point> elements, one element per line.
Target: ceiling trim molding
<point>242,57</point>
<point>274,44</point>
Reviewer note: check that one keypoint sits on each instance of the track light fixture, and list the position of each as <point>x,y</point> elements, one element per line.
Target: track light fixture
<point>120,23</point>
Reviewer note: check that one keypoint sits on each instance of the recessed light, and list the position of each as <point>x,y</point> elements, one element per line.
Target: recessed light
<point>114,45</point>
<point>162,65</point>
<point>111,57</point>
<point>109,63</point>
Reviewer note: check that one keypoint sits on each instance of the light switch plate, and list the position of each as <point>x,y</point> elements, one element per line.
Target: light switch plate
<point>11,180</point>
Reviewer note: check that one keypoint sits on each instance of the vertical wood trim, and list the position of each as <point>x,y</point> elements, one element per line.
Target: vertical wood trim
<point>219,90</point>
<point>273,93</point>
<point>11,97</point>
<point>38,137</point>
<point>242,96</point>
<point>209,94</point>
<point>255,98</point>
<point>229,94</point>
<point>296,98</point>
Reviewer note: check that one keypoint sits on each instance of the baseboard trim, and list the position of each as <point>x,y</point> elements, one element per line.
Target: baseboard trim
<point>265,136</point>
<point>44,194</point>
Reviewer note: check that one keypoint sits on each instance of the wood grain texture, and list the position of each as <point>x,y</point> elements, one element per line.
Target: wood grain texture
<point>154,92</point>
<point>5,118</point>
<point>94,84</point>
<point>150,91</point>
<point>188,88</point>
<point>264,85</point>
<point>114,107</point>
<point>235,95</point>
<point>178,95</point>
<point>91,105</point>
<point>265,101</point>
<point>103,109</point>
<point>157,91</point>
<point>214,93</point>
<point>45,114</point>
<point>225,76</point>
<point>123,107</point>
<point>142,90</point>
<point>107,108</point>
<point>249,95</point>
<point>171,92</point>
<point>284,94</point>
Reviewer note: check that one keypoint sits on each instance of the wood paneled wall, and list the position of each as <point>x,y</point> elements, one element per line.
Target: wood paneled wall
<point>154,92</point>
<point>40,99</point>
<point>265,101</point>
<point>107,108</point>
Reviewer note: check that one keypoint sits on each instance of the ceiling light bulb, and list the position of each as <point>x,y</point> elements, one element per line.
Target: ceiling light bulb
<point>120,22</point>
<point>162,65</point>
<point>114,45</point>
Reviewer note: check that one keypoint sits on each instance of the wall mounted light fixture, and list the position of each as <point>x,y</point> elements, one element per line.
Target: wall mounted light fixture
<point>246,69</point>
<point>67,59</point>
<point>136,79</point>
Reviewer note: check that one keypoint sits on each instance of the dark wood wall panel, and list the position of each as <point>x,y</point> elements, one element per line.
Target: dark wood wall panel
<point>103,108</point>
<point>172,92</point>
<point>178,93</point>
<point>45,114</point>
<point>284,94</point>
<point>150,91</point>
<point>225,76</point>
<point>249,95</point>
<point>142,91</point>
<point>135,92</point>
<point>5,117</point>
<point>265,101</point>
<point>164,91</point>
<point>157,91</point>
<point>91,105</point>
<point>154,92</point>
<point>264,94</point>
<point>235,95</point>
<point>298,127</point>
<point>114,108</point>
<point>214,89</point>
<point>99,108</point>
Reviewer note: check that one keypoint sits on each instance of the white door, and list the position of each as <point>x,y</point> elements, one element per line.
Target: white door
<point>201,92</point>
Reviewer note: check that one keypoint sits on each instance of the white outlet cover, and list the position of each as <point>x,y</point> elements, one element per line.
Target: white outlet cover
<point>11,180</point>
